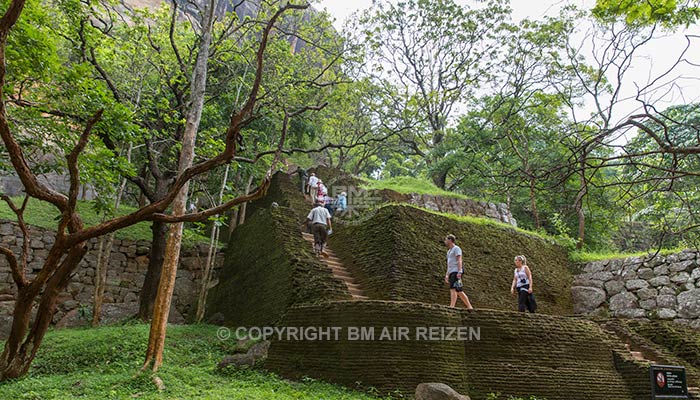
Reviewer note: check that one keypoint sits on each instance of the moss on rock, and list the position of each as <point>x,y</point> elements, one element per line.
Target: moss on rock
<point>268,267</point>
<point>398,254</point>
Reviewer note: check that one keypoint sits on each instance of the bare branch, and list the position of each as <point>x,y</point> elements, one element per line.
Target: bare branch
<point>69,213</point>
<point>17,268</point>
<point>229,152</point>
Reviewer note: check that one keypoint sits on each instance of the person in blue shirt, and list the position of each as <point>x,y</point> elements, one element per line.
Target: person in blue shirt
<point>341,202</point>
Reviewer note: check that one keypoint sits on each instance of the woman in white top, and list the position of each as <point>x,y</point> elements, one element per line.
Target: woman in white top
<point>522,283</point>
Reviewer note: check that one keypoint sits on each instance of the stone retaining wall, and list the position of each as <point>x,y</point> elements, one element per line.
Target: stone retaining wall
<point>127,268</point>
<point>515,354</point>
<point>663,287</point>
<point>497,211</point>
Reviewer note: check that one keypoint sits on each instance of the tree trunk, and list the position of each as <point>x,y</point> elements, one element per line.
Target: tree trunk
<point>161,309</point>
<point>211,257</point>
<point>583,189</point>
<point>440,178</point>
<point>233,222</point>
<point>20,347</point>
<point>105,251</point>
<point>241,219</point>
<point>147,297</point>
<point>533,204</point>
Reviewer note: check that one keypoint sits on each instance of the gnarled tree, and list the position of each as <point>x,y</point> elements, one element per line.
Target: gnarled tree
<point>72,235</point>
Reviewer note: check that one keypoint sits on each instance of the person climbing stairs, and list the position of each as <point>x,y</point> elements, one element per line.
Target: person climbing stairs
<point>339,270</point>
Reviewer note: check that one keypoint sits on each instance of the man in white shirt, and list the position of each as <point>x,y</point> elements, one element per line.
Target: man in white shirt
<point>313,187</point>
<point>320,220</point>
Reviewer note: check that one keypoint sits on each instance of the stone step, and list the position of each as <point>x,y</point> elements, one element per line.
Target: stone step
<point>694,392</point>
<point>339,271</point>
<point>345,278</point>
<point>355,293</point>
<point>344,275</point>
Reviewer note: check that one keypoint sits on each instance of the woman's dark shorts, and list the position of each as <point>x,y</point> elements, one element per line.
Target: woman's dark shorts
<point>455,283</point>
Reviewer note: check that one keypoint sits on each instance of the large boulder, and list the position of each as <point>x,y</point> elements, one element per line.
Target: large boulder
<point>5,325</point>
<point>437,391</point>
<point>623,301</point>
<point>636,284</point>
<point>689,304</point>
<point>666,301</point>
<point>238,361</point>
<point>586,299</point>
<point>660,281</point>
<point>666,313</point>
<point>259,350</point>
<point>255,353</point>
<point>614,287</point>
<point>631,313</point>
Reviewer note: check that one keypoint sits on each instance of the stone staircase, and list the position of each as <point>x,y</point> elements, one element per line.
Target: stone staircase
<point>339,270</point>
<point>693,392</point>
<point>638,355</point>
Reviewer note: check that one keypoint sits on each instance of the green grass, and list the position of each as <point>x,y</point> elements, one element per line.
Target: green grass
<point>101,363</point>
<point>45,215</point>
<point>408,185</point>
<point>581,256</point>
<point>483,221</point>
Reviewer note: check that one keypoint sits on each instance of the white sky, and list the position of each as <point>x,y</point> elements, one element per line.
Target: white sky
<point>659,55</point>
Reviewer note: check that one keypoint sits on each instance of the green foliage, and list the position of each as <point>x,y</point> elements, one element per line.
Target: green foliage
<point>582,256</point>
<point>100,364</point>
<point>671,13</point>
<point>402,42</point>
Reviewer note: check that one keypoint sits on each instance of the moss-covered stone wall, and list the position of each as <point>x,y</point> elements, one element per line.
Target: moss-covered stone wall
<point>268,267</point>
<point>285,190</point>
<point>399,254</point>
<point>516,354</point>
<point>682,342</point>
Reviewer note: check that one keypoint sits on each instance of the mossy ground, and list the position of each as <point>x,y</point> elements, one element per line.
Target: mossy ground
<point>101,364</point>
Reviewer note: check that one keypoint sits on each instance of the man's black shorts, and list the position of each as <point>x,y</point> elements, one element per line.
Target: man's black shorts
<point>455,283</point>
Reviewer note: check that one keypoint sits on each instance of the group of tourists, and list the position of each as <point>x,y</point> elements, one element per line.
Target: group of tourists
<point>521,286</point>
<point>318,222</point>
<point>317,192</point>
<point>325,207</point>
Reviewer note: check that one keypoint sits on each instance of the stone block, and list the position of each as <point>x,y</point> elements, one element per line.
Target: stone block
<point>623,301</point>
<point>636,284</point>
